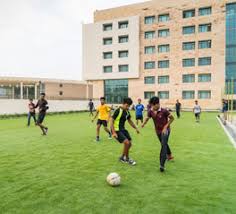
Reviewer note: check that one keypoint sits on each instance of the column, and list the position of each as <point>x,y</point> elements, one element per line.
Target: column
<point>21,90</point>
<point>35,91</point>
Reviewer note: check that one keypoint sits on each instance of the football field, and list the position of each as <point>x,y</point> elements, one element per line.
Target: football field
<point>65,171</point>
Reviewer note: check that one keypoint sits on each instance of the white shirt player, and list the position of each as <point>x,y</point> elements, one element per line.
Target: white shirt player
<point>197,109</point>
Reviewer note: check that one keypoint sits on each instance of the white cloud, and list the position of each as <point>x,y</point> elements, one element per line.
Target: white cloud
<point>42,38</point>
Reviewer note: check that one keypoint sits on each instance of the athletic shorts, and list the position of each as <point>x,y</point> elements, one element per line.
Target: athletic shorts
<point>197,114</point>
<point>123,135</point>
<point>139,117</point>
<point>41,117</point>
<point>102,122</point>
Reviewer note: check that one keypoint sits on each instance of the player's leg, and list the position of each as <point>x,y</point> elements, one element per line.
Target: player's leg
<point>104,123</point>
<point>40,124</point>
<point>35,121</point>
<point>163,153</point>
<point>98,130</point>
<point>28,119</point>
<point>129,145</point>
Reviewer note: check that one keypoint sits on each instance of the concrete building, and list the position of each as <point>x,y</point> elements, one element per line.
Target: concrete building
<point>25,88</point>
<point>181,49</point>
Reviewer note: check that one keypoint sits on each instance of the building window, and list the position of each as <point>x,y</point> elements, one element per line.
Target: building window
<point>163,94</point>
<point>204,94</point>
<point>107,27</point>
<point>164,18</point>
<point>149,94</point>
<point>123,68</point>
<point>149,20</point>
<point>149,80</point>
<point>150,50</point>
<point>188,95</point>
<point>107,69</point>
<point>163,33</point>
<point>163,79</point>
<point>188,46</point>
<point>164,64</point>
<point>188,78</point>
<point>123,54</point>
<point>204,78</point>
<point>189,30</point>
<point>60,85</point>
<point>115,90</point>
<point>107,55</point>
<point>188,13</point>
<point>60,93</point>
<point>203,61</point>
<point>204,28</point>
<point>123,24</point>
<point>149,65</point>
<point>107,41</point>
<point>149,35</point>
<point>204,44</point>
<point>123,39</point>
<point>188,62</point>
<point>163,48</point>
<point>205,11</point>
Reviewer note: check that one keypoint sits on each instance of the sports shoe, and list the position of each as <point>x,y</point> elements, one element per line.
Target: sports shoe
<point>97,139</point>
<point>170,157</point>
<point>131,162</point>
<point>162,169</point>
<point>46,130</point>
<point>123,159</point>
<point>110,137</point>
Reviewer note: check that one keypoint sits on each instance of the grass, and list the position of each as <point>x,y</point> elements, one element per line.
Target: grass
<point>65,172</point>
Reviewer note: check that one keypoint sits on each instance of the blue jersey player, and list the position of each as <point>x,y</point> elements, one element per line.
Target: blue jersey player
<point>139,108</point>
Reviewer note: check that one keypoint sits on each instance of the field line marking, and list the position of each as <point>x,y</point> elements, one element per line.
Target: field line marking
<point>227,133</point>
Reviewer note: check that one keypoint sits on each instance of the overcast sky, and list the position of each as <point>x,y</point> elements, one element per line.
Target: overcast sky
<point>42,38</point>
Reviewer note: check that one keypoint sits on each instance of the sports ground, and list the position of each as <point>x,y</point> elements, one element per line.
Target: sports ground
<point>65,171</point>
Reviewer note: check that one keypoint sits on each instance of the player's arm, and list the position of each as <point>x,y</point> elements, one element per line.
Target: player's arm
<point>145,121</point>
<point>37,104</point>
<point>133,125</point>
<point>95,116</point>
<point>171,119</point>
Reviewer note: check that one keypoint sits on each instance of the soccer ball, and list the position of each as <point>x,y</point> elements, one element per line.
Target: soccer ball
<point>113,179</point>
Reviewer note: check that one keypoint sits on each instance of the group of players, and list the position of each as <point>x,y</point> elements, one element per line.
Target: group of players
<point>161,117</point>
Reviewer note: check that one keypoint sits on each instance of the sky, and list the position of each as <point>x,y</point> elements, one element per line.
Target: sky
<point>43,38</point>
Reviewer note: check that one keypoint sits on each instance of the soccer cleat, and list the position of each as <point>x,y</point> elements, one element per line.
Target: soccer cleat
<point>170,157</point>
<point>123,159</point>
<point>162,169</point>
<point>131,162</point>
<point>110,137</point>
<point>46,130</point>
<point>97,139</point>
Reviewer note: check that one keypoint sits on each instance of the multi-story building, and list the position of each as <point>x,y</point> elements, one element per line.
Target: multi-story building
<point>55,89</point>
<point>181,49</point>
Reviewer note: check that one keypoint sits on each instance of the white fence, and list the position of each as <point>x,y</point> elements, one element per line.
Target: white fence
<point>21,106</point>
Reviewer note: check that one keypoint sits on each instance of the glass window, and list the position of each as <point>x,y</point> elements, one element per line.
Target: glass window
<point>204,61</point>
<point>204,28</point>
<point>149,20</point>
<point>107,27</point>
<point>204,44</point>
<point>164,64</point>
<point>149,35</point>
<point>188,46</point>
<point>107,41</point>
<point>149,65</point>
<point>204,78</point>
<point>204,94</point>
<point>123,39</point>
<point>187,78</point>
<point>149,80</point>
<point>123,68</point>
<point>163,18</point>
<point>17,94</point>
<point>107,69</point>
<point>123,54</point>
<point>28,91</point>
<point>186,95</point>
<point>163,94</point>
<point>6,92</point>
<point>150,50</point>
<point>188,62</point>
<point>149,94</point>
<point>205,11</point>
<point>107,55</point>
<point>163,33</point>
<point>115,90</point>
<point>163,48</point>
<point>188,30</point>
<point>163,79</point>
<point>188,13</point>
<point>123,24</point>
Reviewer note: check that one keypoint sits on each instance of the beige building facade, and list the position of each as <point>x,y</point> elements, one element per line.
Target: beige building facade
<point>25,88</point>
<point>186,50</point>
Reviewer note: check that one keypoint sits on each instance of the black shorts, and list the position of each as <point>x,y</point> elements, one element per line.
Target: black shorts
<point>139,117</point>
<point>41,117</point>
<point>102,122</point>
<point>123,135</point>
<point>197,114</point>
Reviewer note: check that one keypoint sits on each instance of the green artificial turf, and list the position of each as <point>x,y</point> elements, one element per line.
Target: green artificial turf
<point>65,171</point>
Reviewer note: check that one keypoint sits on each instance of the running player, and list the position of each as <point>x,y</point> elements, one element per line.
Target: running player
<point>120,133</point>
<point>91,107</point>
<point>103,113</point>
<point>162,120</point>
<point>139,108</point>
<point>42,104</point>
<point>197,111</point>
<point>31,113</point>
